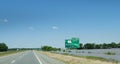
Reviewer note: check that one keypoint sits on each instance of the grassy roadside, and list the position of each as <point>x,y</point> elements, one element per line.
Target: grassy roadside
<point>94,58</point>
<point>69,59</point>
<point>8,52</point>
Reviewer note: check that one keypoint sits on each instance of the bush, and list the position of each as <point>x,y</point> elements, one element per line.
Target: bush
<point>110,53</point>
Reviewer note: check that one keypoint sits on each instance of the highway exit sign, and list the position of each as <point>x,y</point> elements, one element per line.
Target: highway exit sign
<point>72,43</point>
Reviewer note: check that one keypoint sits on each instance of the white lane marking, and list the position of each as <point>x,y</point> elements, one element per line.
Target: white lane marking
<point>22,55</point>
<point>13,61</point>
<point>37,58</point>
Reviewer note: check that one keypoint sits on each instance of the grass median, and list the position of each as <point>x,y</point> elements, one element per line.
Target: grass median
<point>8,52</point>
<point>70,59</point>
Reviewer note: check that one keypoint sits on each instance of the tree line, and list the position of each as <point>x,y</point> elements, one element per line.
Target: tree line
<point>3,47</point>
<point>99,46</point>
<point>86,46</point>
<point>49,48</point>
<point>13,49</point>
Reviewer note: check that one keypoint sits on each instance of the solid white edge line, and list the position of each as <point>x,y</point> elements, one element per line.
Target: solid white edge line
<point>37,58</point>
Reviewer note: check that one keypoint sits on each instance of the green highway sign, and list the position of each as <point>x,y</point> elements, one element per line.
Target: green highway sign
<point>72,43</point>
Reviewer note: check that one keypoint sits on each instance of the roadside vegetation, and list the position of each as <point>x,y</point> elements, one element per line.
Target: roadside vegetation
<point>4,50</point>
<point>86,46</point>
<point>9,52</point>
<point>93,60</point>
<point>49,48</point>
<point>99,46</point>
<point>70,59</point>
<point>110,53</point>
<point>3,47</point>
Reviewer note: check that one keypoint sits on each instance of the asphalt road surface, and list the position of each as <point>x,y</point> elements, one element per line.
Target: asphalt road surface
<point>28,57</point>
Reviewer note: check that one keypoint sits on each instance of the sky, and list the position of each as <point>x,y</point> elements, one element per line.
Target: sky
<point>35,23</point>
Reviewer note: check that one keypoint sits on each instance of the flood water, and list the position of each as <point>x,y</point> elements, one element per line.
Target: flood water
<point>98,53</point>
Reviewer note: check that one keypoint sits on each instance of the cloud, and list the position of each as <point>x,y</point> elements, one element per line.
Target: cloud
<point>4,20</point>
<point>31,28</point>
<point>55,28</point>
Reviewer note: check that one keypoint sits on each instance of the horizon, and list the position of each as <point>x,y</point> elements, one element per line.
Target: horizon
<point>37,23</point>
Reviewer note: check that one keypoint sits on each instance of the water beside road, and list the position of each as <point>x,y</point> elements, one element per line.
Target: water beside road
<point>98,53</point>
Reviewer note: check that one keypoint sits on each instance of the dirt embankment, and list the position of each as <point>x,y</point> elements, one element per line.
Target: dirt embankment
<point>76,60</point>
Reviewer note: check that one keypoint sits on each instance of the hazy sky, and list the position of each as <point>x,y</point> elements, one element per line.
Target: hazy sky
<point>34,23</point>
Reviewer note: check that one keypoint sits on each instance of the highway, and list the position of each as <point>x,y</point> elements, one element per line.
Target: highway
<point>28,57</point>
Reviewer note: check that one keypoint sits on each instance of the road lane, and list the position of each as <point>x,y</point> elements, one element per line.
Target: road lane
<point>28,57</point>
<point>48,60</point>
<point>9,58</point>
<point>37,58</point>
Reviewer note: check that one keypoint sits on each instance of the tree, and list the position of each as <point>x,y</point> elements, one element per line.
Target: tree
<point>46,48</point>
<point>89,46</point>
<point>3,47</point>
<point>49,48</point>
<point>100,46</point>
<point>97,46</point>
<point>104,46</point>
<point>81,46</point>
<point>113,45</point>
<point>118,45</point>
